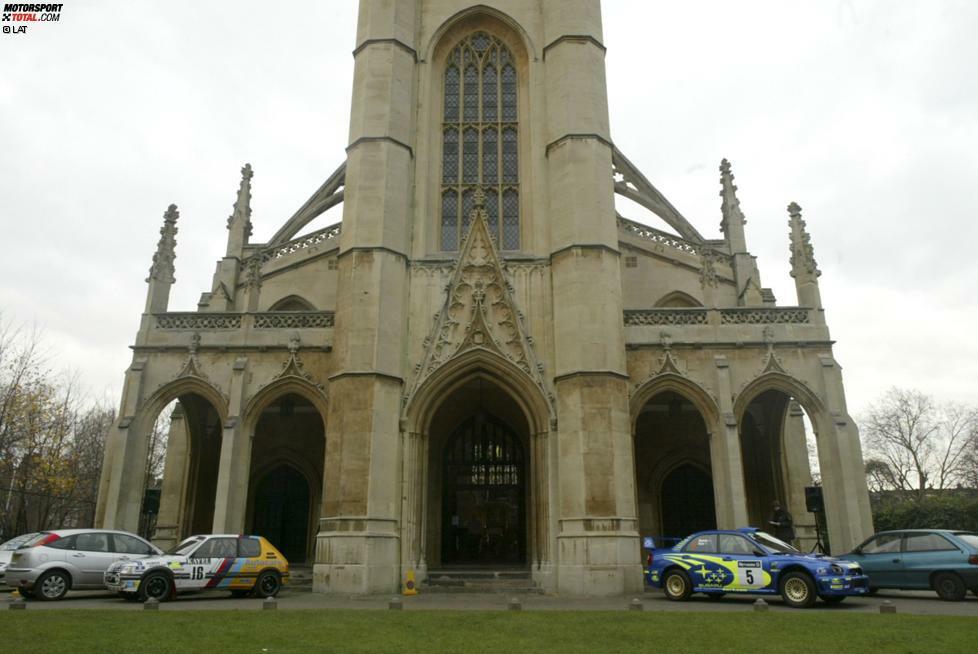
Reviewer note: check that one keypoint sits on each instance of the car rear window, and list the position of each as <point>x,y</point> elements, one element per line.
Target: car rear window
<point>969,539</point>
<point>926,543</point>
<point>249,547</point>
<point>66,543</point>
<point>704,543</point>
<point>17,542</point>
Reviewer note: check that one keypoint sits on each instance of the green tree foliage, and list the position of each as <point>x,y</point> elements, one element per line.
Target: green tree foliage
<point>948,510</point>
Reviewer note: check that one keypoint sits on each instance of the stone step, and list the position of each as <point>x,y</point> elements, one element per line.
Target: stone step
<point>478,573</point>
<point>515,581</point>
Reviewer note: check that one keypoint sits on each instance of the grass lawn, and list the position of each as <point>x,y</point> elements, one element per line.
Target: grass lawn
<point>500,632</point>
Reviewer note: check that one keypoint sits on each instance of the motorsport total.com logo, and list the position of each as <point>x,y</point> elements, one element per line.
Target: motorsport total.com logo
<point>23,14</point>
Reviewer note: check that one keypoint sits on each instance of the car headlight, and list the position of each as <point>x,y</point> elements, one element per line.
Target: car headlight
<point>838,569</point>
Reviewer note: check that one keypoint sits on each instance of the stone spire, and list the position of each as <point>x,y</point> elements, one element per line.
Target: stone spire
<point>161,272</point>
<point>239,222</point>
<point>732,224</point>
<point>803,265</point>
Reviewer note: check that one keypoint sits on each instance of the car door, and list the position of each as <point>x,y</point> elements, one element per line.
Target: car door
<point>881,558</point>
<point>92,556</point>
<point>924,552</point>
<point>211,562</point>
<point>751,572</point>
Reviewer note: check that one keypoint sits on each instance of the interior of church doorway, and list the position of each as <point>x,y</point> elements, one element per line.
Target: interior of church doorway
<point>282,511</point>
<point>674,480</point>
<point>484,494</point>
<point>777,447</point>
<point>183,456</point>
<point>687,501</point>
<point>286,478</point>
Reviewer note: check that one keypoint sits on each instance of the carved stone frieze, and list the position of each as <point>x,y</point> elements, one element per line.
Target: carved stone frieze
<point>293,319</point>
<point>666,317</point>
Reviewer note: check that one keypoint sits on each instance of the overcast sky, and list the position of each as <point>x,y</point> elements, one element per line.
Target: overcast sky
<point>863,112</point>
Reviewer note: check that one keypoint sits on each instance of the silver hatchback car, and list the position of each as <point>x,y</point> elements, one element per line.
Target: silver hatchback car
<point>57,561</point>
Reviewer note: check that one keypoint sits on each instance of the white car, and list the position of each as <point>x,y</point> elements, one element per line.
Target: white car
<point>244,565</point>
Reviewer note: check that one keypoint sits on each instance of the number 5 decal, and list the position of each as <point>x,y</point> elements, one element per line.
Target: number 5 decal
<point>750,574</point>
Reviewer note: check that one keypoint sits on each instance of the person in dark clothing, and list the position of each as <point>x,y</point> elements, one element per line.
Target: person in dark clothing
<point>783,523</point>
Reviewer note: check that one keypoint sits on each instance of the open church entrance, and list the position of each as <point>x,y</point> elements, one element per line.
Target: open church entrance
<point>287,458</point>
<point>282,511</point>
<point>674,480</point>
<point>484,500</point>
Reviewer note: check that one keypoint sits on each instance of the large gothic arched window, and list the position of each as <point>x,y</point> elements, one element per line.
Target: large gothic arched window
<point>479,141</point>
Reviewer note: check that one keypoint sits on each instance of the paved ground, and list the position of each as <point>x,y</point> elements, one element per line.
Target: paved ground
<point>921,603</point>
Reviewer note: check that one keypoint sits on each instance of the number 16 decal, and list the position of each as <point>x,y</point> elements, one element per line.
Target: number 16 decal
<point>197,572</point>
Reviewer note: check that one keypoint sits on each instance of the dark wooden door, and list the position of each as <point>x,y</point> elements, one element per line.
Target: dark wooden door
<point>687,502</point>
<point>282,512</point>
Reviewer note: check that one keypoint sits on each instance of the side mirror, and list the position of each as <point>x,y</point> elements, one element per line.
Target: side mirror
<point>759,553</point>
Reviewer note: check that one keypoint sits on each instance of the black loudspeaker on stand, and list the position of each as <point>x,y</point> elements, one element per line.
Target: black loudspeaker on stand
<point>816,505</point>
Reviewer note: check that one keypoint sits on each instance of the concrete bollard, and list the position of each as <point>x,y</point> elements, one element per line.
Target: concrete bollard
<point>395,604</point>
<point>760,605</point>
<point>635,605</point>
<point>269,604</point>
<point>515,604</point>
<point>152,604</point>
<point>17,604</point>
<point>887,607</point>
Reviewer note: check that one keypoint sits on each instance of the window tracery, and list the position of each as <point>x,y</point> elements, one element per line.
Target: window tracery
<point>480,146</point>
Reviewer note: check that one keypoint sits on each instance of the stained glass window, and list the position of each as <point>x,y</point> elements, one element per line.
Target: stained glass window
<point>450,167</point>
<point>480,144</point>
<point>449,220</point>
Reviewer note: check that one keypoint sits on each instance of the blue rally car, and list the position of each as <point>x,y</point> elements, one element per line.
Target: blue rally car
<point>750,561</point>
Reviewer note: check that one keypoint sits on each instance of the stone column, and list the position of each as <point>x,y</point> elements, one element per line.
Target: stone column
<point>357,546</point>
<point>124,465</point>
<point>169,521</point>
<point>598,546</point>
<point>796,472</point>
<point>413,485</point>
<point>234,469</point>
<point>847,510</point>
<point>725,458</point>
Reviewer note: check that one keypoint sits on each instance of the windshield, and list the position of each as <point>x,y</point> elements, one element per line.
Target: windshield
<point>184,548</point>
<point>18,542</point>
<point>772,543</point>
<point>969,538</point>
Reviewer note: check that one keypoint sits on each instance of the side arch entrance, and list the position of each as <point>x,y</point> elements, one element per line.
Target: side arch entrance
<point>673,468</point>
<point>286,476</point>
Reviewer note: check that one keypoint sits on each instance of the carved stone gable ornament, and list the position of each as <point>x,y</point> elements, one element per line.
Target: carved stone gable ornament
<point>293,367</point>
<point>479,311</point>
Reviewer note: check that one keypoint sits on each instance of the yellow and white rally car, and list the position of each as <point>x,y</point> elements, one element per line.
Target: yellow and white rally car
<point>244,565</point>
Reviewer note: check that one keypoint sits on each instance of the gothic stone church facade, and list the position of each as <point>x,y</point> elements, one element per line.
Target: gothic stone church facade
<point>483,364</point>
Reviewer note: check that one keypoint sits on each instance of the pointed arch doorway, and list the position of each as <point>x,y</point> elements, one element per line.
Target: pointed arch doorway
<point>484,494</point>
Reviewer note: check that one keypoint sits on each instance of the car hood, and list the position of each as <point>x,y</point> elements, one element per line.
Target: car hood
<point>164,561</point>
